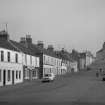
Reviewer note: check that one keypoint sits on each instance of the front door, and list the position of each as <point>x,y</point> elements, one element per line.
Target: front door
<point>12,77</point>
<point>4,77</point>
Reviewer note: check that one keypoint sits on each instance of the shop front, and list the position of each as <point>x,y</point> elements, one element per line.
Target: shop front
<point>30,73</point>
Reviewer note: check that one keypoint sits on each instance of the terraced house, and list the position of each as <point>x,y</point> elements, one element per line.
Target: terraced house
<point>49,61</point>
<point>85,59</point>
<point>17,62</point>
<point>11,68</point>
<point>29,59</point>
<point>24,60</point>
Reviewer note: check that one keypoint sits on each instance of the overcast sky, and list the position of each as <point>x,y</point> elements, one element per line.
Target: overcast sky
<point>73,24</point>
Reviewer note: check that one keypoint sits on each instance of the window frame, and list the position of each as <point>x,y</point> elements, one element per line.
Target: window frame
<point>16,58</point>
<point>2,56</point>
<point>16,74</point>
<point>8,56</point>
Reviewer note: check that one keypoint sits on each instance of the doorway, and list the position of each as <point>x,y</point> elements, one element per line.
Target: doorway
<point>4,77</point>
<point>12,77</point>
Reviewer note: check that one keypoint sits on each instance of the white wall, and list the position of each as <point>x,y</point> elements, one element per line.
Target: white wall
<point>52,63</point>
<point>74,66</point>
<point>12,65</point>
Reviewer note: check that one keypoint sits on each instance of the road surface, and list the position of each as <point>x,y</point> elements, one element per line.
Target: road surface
<point>81,88</point>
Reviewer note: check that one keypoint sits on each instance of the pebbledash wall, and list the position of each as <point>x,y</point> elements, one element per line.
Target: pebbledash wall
<point>11,67</point>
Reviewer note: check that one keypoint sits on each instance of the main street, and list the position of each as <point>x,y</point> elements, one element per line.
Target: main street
<point>82,88</point>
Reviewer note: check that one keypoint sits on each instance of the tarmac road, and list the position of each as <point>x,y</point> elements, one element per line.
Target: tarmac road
<point>81,88</point>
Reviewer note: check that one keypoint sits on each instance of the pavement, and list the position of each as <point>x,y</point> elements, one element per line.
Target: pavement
<point>82,88</point>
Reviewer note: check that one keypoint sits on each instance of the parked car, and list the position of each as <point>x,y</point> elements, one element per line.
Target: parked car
<point>48,77</point>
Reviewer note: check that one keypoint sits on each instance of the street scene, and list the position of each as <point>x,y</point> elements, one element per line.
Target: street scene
<point>82,88</point>
<point>52,52</point>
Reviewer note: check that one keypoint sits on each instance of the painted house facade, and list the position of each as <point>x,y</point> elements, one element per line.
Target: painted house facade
<point>49,61</point>
<point>11,68</point>
<point>51,64</point>
<point>21,61</point>
<point>85,60</point>
<point>29,59</point>
<point>100,55</point>
<point>100,58</point>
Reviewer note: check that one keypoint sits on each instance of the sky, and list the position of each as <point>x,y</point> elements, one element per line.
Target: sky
<point>72,24</point>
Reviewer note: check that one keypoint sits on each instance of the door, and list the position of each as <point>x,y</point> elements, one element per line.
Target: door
<point>12,77</point>
<point>4,77</point>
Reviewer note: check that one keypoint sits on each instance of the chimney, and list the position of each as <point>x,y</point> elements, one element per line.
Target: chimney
<point>40,44</point>
<point>23,40</point>
<point>4,35</point>
<point>63,50</point>
<point>50,48</point>
<point>29,39</point>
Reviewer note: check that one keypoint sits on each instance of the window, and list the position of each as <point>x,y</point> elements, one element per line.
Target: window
<point>16,58</point>
<point>8,56</point>
<point>26,59</point>
<point>9,75</point>
<point>34,73</point>
<point>0,75</point>
<point>19,74</point>
<point>31,60</point>
<point>2,55</point>
<point>44,59</point>
<point>16,74</point>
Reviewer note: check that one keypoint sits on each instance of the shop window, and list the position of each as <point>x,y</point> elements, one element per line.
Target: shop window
<point>19,74</point>
<point>8,56</point>
<point>0,75</point>
<point>16,74</point>
<point>9,75</point>
<point>2,55</point>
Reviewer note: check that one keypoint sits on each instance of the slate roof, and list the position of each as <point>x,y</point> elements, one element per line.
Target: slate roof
<point>7,45</point>
<point>37,50</point>
<point>100,51</point>
<point>22,48</point>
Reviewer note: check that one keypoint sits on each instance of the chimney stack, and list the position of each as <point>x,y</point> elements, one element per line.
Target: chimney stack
<point>4,35</point>
<point>29,39</point>
<point>23,40</point>
<point>50,48</point>
<point>40,44</point>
